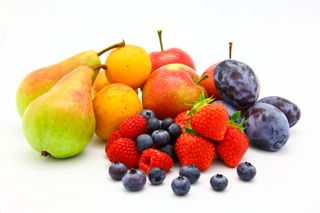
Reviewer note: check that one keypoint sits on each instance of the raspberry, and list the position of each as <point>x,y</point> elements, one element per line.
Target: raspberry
<point>133,126</point>
<point>151,158</point>
<point>114,136</point>
<point>181,119</point>
<point>124,151</point>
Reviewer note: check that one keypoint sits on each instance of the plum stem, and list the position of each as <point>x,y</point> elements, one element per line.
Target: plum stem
<point>160,39</point>
<point>120,44</point>
<point>230,49</point>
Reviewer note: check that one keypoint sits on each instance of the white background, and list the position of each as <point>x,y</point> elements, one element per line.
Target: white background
<point>278,39</point>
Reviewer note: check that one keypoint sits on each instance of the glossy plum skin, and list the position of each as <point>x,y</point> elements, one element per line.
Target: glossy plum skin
<point>266,127</point>
<point>236,83</point>
<point>291,110</point>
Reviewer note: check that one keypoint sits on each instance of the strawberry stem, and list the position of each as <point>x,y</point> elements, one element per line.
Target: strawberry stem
<point>233,121</point>
<point>199,104</point>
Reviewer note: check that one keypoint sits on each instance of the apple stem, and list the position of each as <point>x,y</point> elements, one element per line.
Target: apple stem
<point>120,44</point>
<point>199,80</point>
<point>230,50</point>
<point>160,39</point>
<point>96,71</point>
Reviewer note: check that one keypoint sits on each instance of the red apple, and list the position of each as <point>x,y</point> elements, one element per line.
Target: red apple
<point>169,56</point>
<point>170,89</point>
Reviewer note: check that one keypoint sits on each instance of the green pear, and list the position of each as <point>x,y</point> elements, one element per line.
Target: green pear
<point>61,122</point>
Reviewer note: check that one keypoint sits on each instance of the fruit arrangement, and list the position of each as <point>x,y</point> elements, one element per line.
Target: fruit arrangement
<point>180,116</point>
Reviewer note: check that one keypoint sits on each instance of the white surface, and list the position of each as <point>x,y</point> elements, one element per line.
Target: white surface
<point>278,39</point>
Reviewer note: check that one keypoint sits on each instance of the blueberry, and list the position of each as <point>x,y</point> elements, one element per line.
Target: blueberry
<point>161,137</point>
<point>218,182</point>
<point>230,108</point>
<point>174,130</point>
<point>143,142</point>
<point>246,171</point>
<point>166,123</point>
<point>291,110</point>
<point>134,180</point>
<point>153,124</point>
<point>169,150</point>
<point>191,172</point>
<point>156,176</point>
<point>236,83</point>
<point>266,127</point>
<point>181,185</point>
<point>148,113</point>
<point>117,170</point>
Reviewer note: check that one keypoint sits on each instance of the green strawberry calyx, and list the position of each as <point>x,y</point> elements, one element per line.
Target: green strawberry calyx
<point>233,121</point>
<point>203,101</point>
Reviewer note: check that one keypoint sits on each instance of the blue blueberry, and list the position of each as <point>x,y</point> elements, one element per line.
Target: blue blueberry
<point>156,176</point>
<point>246,171</point>
<point>291,110</point>
<point>147,114</point>
<point>169,150</point>
<point>236,83</point>
<point>161,137</point>
<point>153,124</point>
<point>143,142</point>
<point>117,171</point>
<point>166,123</point>
<point>181,185</point>
<point>174,130</point>
<point>218,182</point>
<point>191,172</point>
<point>134,180</point>
<point>266,127</point>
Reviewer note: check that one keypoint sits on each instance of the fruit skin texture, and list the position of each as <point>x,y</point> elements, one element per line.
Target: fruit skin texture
<point>143,142</point>
<point>147,114</point>
<point>169,89</point>
<point>133,126</point>
<point>191,172</point>
<point>124,151</point>
<point>194,150</point>
<point>156,176</point>
<point>266,127</point>
<point>100,82</point>
<point>209,84</point>
<point>290,110</point>
<point>151,158</point>
<point>232,148</point>
<point>211,121</point>
<point>42,80</point>
<point>117,171</point>
<point>170,56</point>
<point>112,105</point>
<point>153,124</point>
<point>114,136</point>
<point>181,185</point>
<point>161,137</point>
<point>129,65</point>
<point>246,171</point>
<point>51,123</point>
<point>218,182</point>
<point>181,119</point>
<point>134,180</point>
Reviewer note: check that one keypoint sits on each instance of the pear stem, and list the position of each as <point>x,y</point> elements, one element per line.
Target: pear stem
<point>230,50</point>
<point>160,39</point>
<point>96,71</point>
<point>120,44</point>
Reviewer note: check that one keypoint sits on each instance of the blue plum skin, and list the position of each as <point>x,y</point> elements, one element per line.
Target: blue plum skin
<point>156,176</point>
<point>246,171</point>
<point>218,182</point>
<point>266,127</point>
<point>236,83</point>
<point>181,185</point>
<point>134,180</point>
<point>191,172</point>
<point>117,170</point>
<point>291,110</point>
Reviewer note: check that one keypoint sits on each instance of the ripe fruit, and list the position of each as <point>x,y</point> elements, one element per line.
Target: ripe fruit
<point>266,127</point>
<point>290,110</point>
<point>124,151</point>
<point>112,105</point>
<point>151,158</point>
<point>181,185</point>
<point>169,56</point>
<point>133,126</point>
<point>147,113</point>
<point>208,83</point>
<point>153,124</point>
<point>169,150</point>
<point>194,150</point>
<point>114,136</point>
<point>143,142</point>
<point>166,123</point>
<point>161,137</point>
<point>191,172</point>
<point>129,65</point>
<point>100,82</point>
<point>181,119</point>
<point>174,131</point>
<point>170,88</point>
<point>134,180</point>
<point>156,176</point>
<point>117,171</point>
<point>218,182</point>
<point>246,171</point>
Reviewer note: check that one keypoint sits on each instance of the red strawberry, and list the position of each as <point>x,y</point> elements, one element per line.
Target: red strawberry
<point>182,118</point>
<point>114,136</point>
<point>194,150</point>
<point>234,145</point>
<point>133,126</point>
<point>209,120</point>
<point>151,158</point>
<point>124,151</point>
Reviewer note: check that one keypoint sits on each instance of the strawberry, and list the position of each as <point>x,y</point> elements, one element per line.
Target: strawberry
<point>151,158</point>
<point>114,136</point>
<point>182,119</point>
<point>194,150</point>
<point>209,120</point>
<point>124,151</point>
<point>133,126</point>
<point>235,143</point>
